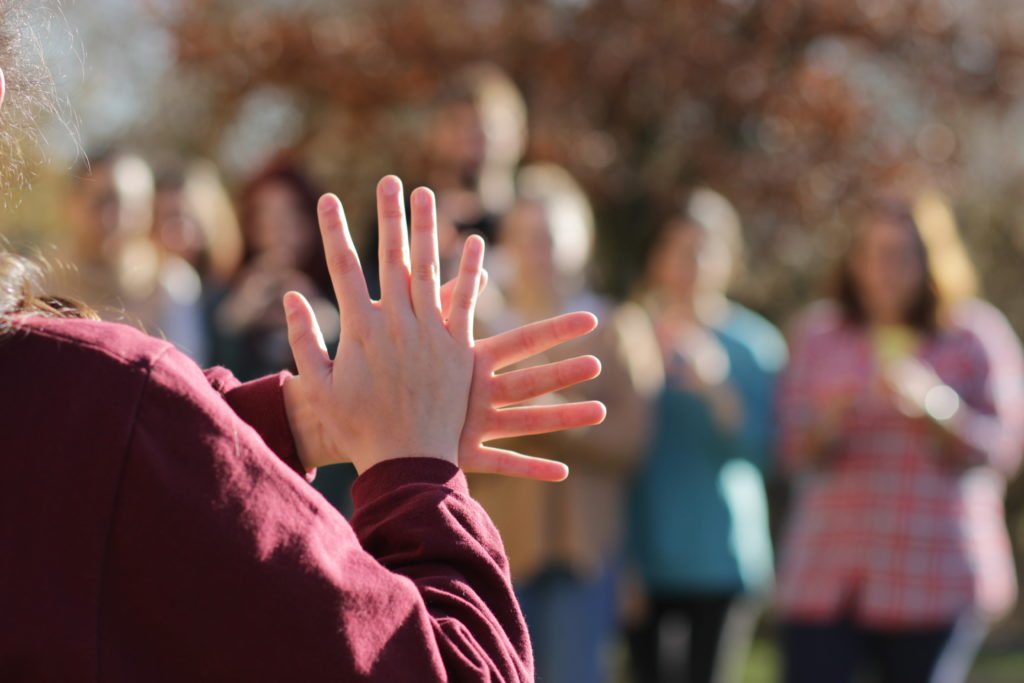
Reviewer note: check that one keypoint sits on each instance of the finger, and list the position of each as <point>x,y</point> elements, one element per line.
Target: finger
<point>394,244</point>
<point>305,338</point>
<point>512,422</point>
<point>342,259</point>
<point>523,342</point>
<point>522,385</point>
<point>467,289</point>
<point>487,460</point>
<point>448,289</point>
<point>425,262</point>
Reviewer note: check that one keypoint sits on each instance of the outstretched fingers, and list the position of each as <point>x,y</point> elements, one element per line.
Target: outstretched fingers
<point>488,460</point>
<point>513,422</point>
<point>523,342</point>
<point>467,289</point>
<point>425,261</point>
<point>522,385</point>
<point>394,244</point>
<point>342,259</point>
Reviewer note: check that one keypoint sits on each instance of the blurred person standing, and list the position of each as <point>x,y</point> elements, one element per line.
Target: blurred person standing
<point>195,221</point>
<point>476,139</point>
<point>957,283</point>
<point>956,280</point>
<point>897,548</point>
<point>564,541</point>
<point>473,142</point>
<point>282,253</point>
<point>698,527</point>
<point>121,270</point>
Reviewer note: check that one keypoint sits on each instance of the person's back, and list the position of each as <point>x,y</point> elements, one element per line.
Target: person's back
<point>62,463</point>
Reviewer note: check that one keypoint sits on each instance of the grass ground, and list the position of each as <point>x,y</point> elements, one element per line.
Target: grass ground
<point>1001,665</point>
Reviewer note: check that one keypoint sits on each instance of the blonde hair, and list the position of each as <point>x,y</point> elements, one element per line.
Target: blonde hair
<point>204,196</point>
<point>567,209</point>
<point>955,276</point>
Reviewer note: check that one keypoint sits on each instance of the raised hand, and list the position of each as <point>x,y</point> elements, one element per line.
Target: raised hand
<point>399,383</point>
<point>416,345</point>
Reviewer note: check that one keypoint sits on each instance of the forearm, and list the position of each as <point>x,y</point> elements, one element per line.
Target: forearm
<point>823,443</point>
<point>967,437</point>
<point>811,441</point>
<point>415,516</point>
<point>725,406</point>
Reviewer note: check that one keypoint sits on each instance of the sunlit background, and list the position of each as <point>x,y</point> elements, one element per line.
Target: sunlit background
<point>790,108</point>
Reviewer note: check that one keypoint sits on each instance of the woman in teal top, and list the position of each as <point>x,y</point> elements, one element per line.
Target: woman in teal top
<point>698,528</point>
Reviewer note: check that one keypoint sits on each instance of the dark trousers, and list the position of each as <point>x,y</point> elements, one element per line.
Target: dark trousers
<point>836,652</point>
<point>706,618</point>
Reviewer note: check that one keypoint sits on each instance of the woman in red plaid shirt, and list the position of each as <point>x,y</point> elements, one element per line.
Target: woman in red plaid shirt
<point>897,540</point>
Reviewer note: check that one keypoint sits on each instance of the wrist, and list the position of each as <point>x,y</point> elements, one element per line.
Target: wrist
<point>364,464</point>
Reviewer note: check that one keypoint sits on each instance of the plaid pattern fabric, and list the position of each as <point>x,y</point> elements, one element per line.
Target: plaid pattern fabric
<point>893,529</point>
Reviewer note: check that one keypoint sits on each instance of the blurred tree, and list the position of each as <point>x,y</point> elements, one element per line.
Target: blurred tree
<point>789,107</point>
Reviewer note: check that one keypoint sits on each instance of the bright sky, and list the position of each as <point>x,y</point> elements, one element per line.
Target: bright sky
<point>108,57</point>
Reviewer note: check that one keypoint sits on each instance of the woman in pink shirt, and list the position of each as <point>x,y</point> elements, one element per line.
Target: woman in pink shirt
<point>155,524</point>
<point>897,535</point>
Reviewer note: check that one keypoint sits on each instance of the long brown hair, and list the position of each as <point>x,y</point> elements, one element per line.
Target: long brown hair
<point>286,171</point>
<point>21,286</point>
<point>925,312</point>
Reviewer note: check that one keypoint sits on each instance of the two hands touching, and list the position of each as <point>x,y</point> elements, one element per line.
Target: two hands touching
<point>408,379</point>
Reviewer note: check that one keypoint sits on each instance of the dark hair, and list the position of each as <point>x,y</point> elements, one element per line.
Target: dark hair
<point>285,171</point>
<point>20,293</point>
<point>925,311</point>
<point>665,224</point>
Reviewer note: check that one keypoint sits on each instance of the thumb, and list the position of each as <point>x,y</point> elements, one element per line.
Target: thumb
<point>305,338</point>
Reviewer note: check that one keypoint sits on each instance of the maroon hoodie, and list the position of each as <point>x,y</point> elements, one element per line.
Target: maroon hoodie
<point>155,526</point>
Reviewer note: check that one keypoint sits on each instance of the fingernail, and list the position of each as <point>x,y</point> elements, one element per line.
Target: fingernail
<point>291,306</point>
<point>422,198</point>
<point>390,186</point>
<point>328,203</point>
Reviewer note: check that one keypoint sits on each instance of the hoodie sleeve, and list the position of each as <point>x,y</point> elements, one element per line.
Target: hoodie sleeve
<point>223,564</point>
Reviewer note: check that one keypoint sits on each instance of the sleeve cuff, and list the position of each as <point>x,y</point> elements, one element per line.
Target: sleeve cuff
<point>384,477</point>
<point>261,404</point>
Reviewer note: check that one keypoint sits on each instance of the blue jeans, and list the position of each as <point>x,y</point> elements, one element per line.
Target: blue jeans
<point>571,621</point>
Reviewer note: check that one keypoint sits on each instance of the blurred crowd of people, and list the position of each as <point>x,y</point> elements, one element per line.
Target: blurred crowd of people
<point>895,412</point>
